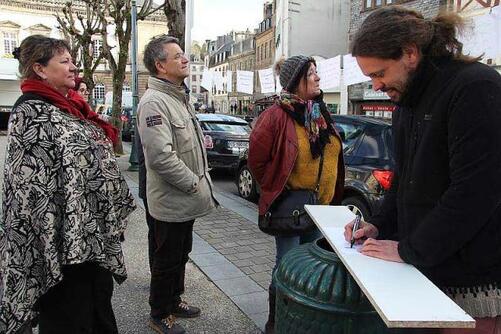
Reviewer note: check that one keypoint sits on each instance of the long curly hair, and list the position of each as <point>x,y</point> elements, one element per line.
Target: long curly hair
<point>386,32</point>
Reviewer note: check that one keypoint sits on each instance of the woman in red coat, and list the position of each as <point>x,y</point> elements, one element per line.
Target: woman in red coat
<point>285,148</point>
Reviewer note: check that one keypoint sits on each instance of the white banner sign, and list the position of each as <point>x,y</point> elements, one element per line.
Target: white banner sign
<point>351,71</point>
<point>245,82</point>
<point>207,81</point>
<point>267,81</point>
<point>229,81</point>
<point>218,80</point>
<point>329,71</point>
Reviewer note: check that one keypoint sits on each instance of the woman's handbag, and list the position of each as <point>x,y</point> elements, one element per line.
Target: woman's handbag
<point>287,216</point>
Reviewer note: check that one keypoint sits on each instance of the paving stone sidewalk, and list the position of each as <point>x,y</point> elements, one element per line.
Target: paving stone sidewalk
<point>231,251</point>
<point>241,242</point>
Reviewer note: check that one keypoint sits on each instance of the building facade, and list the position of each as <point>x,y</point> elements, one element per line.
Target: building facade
<point>218,53</point>
<point>265,47</point>
<point>22,18</point>
<point>242,59</point>
<point>313,28</point>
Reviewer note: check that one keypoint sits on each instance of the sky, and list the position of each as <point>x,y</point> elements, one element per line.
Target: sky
<point>213,18</point>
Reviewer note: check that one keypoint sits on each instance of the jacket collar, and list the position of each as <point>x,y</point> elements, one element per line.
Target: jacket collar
<point>426,71</point>
<point>165,86</point>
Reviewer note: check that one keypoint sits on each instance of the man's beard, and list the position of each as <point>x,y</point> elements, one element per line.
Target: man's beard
<point>405,86</point>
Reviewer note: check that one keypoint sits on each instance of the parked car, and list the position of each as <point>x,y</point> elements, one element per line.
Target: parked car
<point>368,161</point>
<point>126,118</point>
<point>225,137</point>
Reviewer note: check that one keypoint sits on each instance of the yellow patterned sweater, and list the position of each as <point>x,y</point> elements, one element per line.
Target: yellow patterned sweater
<point>305,172</point>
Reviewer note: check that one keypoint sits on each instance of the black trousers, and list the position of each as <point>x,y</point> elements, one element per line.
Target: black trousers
<point>173,243</point>
<point>150,221</point>
<point>80,303</point>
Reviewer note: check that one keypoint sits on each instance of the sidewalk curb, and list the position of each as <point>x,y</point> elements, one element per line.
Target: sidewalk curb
<point>249,297</point>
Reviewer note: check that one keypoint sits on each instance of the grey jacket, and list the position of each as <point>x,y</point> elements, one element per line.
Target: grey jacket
<point>178,184</point>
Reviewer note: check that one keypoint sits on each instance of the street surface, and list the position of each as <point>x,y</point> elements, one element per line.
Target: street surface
<point>228,273</point>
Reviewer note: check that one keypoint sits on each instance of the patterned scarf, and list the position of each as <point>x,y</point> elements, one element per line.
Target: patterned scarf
<point>313,115</point>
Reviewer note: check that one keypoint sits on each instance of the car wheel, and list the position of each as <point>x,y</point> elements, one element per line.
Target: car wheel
<point>246,184</point>
<point>357,206</point>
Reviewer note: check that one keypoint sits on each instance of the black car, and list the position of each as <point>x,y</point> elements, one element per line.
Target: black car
<point>225,137</point>
<point>368,161</point>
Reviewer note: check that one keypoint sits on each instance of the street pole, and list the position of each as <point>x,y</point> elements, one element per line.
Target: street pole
<point>133,160</point>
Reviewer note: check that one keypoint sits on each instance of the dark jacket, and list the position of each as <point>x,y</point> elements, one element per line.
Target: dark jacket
<point>273,150</point>
<point>141,164</point>
<point>445,203</point>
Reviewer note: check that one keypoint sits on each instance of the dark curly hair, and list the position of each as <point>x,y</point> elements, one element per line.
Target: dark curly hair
<point>387,31</point>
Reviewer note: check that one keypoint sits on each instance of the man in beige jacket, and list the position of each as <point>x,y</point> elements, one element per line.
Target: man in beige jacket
<point>178,185</point>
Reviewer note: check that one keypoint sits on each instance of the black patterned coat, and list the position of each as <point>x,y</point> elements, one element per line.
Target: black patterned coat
<point>64,202</point>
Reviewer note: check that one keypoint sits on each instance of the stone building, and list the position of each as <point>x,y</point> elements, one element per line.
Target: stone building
<point>198,93</point>
<point>313,28</point>
<point>219,52</point>
<point>265,46</point>
<point>242,59</point>
<point>22,18</point>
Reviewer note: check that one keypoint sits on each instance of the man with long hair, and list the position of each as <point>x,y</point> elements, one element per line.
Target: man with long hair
<point>443,211</point>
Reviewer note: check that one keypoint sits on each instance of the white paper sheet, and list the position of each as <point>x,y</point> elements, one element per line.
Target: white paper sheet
<point>245,82</point>
<point>267,81</point>
<point>401,294</point>
<point>329,71</point>
<point>207,80</point>
<point>218,80</point>
<point>229,81</point>
<point>351,71</point>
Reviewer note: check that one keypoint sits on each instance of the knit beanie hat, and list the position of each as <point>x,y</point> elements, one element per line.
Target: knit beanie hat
<point>288,70</point>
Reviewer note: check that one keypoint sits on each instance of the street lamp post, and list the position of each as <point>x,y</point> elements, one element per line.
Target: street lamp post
<point>133,159</point>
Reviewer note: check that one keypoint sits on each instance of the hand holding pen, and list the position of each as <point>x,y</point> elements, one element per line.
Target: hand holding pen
<point>356,234</point>
<point>356,226</point>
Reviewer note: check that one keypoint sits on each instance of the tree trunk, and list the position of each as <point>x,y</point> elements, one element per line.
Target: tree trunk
<point>118,79</point>
<point>176,20</point>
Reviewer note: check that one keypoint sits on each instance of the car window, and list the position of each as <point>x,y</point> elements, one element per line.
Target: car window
<point>373,145</point>
<point>350,133</point>
<point>235,128</point>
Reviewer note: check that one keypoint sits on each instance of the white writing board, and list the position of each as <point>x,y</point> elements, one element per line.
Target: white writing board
<point>401,294</point>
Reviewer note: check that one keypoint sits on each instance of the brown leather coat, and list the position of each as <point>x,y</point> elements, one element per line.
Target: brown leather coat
<point>273,150</point>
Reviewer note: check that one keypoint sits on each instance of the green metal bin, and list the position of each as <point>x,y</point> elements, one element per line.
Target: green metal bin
<point>316,294</point>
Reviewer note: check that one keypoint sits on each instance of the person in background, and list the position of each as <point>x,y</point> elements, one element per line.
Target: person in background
<point>64,205</point>
<point>81,88</point>
<point>286,143</point>
<point>443,211</point>
<point>178,184</point>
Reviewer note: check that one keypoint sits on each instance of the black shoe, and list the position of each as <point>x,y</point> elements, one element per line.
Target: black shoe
<point>183,310</point>
<point>166,326</point>
<point>269,327</point>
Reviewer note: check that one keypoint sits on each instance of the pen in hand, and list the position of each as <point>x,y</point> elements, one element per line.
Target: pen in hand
<point>355,228</point>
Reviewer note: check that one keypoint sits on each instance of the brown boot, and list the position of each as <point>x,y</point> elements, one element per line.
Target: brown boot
<point>269,327</point>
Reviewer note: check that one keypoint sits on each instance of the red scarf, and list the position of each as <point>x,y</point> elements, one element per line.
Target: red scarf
<point>73,104</point>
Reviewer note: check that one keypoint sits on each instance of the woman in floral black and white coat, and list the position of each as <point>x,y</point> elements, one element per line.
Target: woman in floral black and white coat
<point>64,203</point>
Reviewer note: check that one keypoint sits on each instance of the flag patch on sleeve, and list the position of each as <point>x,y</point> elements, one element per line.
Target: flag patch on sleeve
<point>153,120</point>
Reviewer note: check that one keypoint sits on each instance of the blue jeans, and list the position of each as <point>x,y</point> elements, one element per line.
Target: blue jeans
<point>285,244</point>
